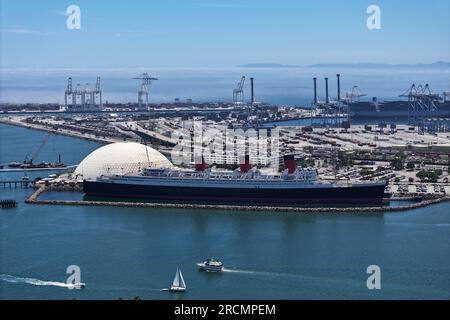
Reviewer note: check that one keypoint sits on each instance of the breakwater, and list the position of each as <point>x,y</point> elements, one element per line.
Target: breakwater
<point>33,199</point>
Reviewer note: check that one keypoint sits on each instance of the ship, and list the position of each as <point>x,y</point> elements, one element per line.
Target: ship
<point>32,165</point>
<point>244,185</point>
<point>392,110</point>
<point>210,265</point>
<point>419,102</point>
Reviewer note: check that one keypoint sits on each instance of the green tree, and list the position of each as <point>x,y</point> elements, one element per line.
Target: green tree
<point>429,175</point>
<point>344,159</point>
<point>410,165</point>
<point>397,164</point>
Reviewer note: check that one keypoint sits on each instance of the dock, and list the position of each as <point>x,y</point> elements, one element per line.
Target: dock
<point>9,203</point>
<point>24,184</point>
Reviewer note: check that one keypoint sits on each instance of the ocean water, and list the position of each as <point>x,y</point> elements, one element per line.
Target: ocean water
<point>128,252</point>
<point>18,144</point>
<point>272,85</point>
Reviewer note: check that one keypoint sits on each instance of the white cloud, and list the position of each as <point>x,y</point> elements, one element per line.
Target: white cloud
<point>22,30</point>
<point>60,13</point>
<point>226,5</point>
<point>16,30</point>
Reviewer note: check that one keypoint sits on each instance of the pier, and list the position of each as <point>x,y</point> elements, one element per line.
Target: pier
<point>24,184</point>
<point>9,203</point>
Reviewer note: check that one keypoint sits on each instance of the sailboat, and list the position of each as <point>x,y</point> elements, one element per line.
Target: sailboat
<point>178,284</point>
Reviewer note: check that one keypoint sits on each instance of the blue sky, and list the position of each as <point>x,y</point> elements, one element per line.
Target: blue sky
<point>222,33</point>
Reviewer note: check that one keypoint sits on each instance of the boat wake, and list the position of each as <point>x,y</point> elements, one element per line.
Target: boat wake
<point>291,276</point>
<point>237,271</point>
<point>37,282</point>
<point>261,273</point>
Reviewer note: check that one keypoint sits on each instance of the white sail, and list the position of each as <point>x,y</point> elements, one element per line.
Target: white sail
<point>176,280</point>
<point>182,284</point>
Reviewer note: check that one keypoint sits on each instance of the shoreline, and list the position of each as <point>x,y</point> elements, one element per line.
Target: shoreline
<point>70,134</point>
<point>62,133</point>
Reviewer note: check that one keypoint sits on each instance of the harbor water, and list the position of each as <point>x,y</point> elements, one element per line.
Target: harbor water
<point>128,252</point>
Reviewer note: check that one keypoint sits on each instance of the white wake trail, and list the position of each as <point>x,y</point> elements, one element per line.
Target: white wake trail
<point>37,282</point>
<point>262,273</point>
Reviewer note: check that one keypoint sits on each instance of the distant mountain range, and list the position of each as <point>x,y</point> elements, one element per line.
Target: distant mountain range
<point>268,65</point>
<point>438,64</point>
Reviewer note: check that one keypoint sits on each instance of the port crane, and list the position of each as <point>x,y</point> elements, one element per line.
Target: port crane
<point>354,93</point>
<point>421,103</point>
<point>238,93</point>
<point>83,98</point>
<point>144,89</point>
<point>28,164</point>
<point>37,151</point>
<point>419,92</point>
<point>350,96</point>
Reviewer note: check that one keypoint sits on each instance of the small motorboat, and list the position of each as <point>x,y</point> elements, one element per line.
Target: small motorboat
<point>178,284</point>
<point>210,265</point>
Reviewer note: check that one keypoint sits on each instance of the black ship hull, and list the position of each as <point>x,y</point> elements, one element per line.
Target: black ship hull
<point>354,194</point>
<point>394,110</point>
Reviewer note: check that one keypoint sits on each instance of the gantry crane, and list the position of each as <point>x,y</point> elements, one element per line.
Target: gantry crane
<point>354,93</point>
<point>422,103</point>
<point>238,93</point>
<point>350,96</point>
<point>143,90</point>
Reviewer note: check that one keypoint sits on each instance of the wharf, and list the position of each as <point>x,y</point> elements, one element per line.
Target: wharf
<point>16,184</point>
<point>5,204</point>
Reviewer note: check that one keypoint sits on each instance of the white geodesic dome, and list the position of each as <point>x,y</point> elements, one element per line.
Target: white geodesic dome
<point>120,158</point>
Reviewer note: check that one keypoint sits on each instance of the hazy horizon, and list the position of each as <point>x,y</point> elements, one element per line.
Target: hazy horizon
<point>291,86</point>
<point>243,65</point>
